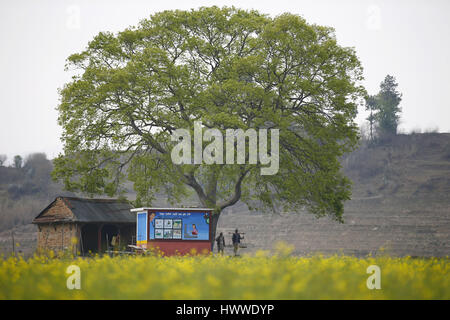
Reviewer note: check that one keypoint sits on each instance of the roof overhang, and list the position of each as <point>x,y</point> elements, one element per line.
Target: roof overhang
<point>52,220</point>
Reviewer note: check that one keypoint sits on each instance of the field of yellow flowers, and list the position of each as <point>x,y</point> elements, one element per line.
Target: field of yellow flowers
<point>260,276</point>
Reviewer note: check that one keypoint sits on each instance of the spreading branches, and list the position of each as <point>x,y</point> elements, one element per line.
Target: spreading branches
<point>230,69</point>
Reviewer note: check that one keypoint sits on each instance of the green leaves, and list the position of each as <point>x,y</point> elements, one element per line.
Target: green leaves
<point>384,108</point>
<point>228,68</point>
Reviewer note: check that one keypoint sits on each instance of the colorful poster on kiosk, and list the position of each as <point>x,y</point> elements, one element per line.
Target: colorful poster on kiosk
<point>178,225</point>
<point>141,228</point>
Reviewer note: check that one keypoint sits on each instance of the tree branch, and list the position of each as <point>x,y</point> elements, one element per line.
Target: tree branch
<point>237,192</point>
<point>192,182</point>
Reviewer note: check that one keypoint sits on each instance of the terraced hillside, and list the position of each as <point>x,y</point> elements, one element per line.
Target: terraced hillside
<point>401,202</point>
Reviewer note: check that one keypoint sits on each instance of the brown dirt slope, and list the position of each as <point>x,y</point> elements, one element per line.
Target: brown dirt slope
<point>400,205</point>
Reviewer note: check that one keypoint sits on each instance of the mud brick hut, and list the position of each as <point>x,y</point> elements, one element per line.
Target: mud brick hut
<point>85,225</point>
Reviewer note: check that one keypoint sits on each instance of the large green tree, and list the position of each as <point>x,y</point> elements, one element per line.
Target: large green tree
<point>228,68</point>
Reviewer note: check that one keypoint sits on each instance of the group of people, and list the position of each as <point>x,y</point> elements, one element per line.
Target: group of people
<point>236,239</point>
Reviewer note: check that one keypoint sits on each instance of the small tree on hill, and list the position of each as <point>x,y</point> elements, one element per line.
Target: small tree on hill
<point>371,105</point>
<point>384,109</point>
<point>388,100</point>
<point>3,158</point>
<point>18,162</point>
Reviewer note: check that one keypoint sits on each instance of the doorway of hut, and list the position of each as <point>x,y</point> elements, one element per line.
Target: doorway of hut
<point>97,238</point>
<point>89,239</point>
<point>108,232</point>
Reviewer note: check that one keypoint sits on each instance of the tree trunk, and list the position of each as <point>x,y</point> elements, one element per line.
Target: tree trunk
<point>214,221</point>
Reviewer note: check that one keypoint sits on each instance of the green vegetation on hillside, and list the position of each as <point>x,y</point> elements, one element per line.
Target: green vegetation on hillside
<point>25,190</point>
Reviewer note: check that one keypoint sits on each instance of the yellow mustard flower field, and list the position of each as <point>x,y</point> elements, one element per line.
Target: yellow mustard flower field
<point>259,276</point>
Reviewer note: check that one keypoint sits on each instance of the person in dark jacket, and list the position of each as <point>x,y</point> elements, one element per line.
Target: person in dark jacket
<point>236,240</point>
<point>220,243</point>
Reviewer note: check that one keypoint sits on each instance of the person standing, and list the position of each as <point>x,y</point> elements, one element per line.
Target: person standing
<point>236,241</point>
<point>220,243</point>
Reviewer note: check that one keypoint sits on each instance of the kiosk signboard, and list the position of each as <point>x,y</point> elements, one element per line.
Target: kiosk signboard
<point>178,225</point>
<point>174,230</point>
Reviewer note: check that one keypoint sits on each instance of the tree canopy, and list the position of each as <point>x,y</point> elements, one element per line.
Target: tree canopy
<point>17,162</point>
<point>388,104</point>
<point>230,69</point>
<point>384,108</point>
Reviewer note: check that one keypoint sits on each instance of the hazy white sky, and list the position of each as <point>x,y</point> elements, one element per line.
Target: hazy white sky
<point>407,39</point>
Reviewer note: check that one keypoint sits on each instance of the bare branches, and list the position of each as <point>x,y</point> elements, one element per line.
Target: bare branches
<point>146,136</point>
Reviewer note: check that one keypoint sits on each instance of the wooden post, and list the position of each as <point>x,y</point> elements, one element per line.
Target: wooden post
<point>81,240</point>
<point>100,238</point>
<point>119,237</point>
<point>107,242</point>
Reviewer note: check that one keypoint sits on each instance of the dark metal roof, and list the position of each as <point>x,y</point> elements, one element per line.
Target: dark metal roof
<point>95,210</point>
